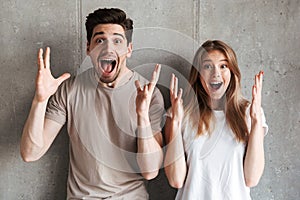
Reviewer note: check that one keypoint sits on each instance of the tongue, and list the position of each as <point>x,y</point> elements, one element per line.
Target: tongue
<point>216,86</point>
<point>106,66</point>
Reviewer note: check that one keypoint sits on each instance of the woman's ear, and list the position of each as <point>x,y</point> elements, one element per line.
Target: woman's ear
<point>87,48</point>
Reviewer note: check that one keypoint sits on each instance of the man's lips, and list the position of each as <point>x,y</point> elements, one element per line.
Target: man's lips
<point>107,65</point>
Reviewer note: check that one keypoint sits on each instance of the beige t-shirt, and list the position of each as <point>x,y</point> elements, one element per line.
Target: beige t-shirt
<point>102,127</point>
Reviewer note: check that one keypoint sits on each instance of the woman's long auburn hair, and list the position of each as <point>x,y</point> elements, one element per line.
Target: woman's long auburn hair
<point>199,113</point>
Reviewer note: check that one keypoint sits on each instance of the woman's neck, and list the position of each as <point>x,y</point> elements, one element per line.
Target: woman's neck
<point>218,104</point>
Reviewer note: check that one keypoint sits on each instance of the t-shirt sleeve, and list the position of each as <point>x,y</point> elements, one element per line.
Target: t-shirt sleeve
<point>156,111</point>
<point>56,108</point>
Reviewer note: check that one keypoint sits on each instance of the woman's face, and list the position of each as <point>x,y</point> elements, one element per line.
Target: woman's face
<point>215,74</point>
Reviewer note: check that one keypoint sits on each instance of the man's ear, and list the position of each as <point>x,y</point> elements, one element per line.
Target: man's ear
<point>87,48</point>
<point>129,50</point>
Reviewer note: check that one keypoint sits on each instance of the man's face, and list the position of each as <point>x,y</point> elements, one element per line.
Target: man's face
<point>108,51</point>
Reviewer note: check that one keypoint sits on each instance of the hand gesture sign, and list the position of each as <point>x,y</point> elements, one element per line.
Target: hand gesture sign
<point>176,100</point>
<point>255,109</point>
<point>46,84</point>
<point>144,94</point>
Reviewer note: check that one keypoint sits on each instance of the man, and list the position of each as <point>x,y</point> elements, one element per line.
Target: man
<point>113,115</point>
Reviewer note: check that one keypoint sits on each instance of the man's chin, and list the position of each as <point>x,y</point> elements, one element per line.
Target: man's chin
<point>109,78</point>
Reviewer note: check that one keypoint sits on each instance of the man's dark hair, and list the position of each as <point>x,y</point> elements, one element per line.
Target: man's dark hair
<point>109,16</point>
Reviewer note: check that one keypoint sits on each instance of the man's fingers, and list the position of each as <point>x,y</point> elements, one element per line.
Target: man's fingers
<point>63,77</point>
<point>155,74</point>
<point>157,69</point>
<point>47,58</point>
<point>138,85</point>
<point>145,90</point>
<point>40,59</point>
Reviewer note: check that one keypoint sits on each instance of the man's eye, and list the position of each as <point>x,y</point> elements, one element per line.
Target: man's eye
<point>118,41</point>
<point>99,41</point>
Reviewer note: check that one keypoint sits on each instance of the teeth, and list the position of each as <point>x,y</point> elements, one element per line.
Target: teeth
<point>216,83</point>
<point>107,60</point>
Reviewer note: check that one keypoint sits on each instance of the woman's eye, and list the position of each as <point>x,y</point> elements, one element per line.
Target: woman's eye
<point>223,66</point>
<point>207,66</point>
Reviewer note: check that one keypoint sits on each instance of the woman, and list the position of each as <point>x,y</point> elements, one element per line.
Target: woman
<point>215,144</point>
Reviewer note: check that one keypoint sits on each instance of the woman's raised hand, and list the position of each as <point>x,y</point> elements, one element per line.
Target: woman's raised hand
<point>176,99</point>
<point>255,109</point>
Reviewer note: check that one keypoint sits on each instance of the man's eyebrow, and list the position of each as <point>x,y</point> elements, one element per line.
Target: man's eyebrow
<point>119,34</point>
<point>98,33</point>
<point>102,33</point>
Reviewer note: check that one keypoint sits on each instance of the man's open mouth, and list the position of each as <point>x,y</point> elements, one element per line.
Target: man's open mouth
<point>108,65</point>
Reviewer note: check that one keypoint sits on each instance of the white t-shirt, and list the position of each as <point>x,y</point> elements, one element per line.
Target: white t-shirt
<point>215,163</point>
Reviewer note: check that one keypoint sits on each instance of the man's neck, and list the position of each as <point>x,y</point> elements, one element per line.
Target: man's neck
<point>122,79</point>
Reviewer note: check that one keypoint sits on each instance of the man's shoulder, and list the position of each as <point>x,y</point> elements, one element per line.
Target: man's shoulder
<point>77,81</point>
<point>138,76</point>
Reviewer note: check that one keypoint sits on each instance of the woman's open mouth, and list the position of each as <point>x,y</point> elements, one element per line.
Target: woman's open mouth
<point>216,85</point>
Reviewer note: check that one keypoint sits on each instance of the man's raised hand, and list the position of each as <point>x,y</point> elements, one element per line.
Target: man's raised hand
<point>46,84</point>
<point>144,94</point>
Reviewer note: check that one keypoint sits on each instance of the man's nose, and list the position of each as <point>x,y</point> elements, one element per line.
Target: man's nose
<point>108,46</point>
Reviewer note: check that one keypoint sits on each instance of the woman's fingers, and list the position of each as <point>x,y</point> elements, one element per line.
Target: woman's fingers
<point>172,85</point>
<point>180,94</point>
<point>253,92</point>
<point>174,93</point>
<point>175,87</point>
<point>261,74</point>
<point>257,88</point>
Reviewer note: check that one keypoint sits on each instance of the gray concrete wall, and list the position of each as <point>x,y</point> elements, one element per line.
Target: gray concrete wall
<point>265,35</point>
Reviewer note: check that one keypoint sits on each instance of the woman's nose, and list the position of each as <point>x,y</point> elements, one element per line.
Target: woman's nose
<point>216,71</point>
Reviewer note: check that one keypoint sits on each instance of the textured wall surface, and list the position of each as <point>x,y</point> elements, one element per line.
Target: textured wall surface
<point>264,34</point>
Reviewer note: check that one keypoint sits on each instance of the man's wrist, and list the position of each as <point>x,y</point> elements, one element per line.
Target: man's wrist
<point>144,132</point>
<point>143,120</point>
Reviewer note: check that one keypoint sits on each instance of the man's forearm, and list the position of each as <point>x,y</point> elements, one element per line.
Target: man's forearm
<point>149,154</point>
<point>32,141</point>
